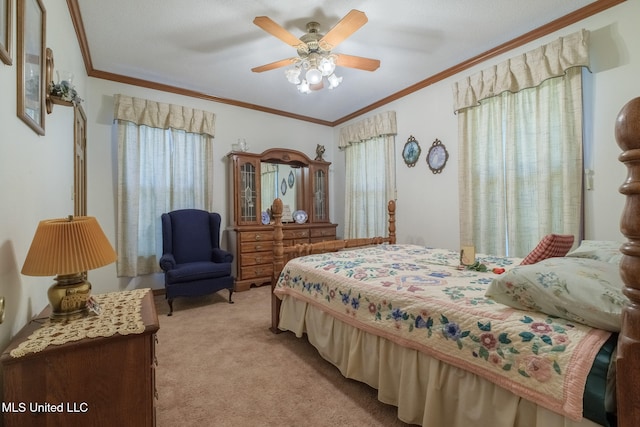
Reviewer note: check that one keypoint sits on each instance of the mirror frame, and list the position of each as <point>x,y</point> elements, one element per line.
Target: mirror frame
<point>295,159</point>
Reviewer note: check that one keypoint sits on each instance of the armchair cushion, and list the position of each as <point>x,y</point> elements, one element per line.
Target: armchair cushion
<point>191,271</point>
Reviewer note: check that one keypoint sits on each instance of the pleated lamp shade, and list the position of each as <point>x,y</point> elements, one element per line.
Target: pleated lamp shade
<point>68,246</point>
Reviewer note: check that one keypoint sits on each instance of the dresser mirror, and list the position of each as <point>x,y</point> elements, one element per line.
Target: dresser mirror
<point>258,179</point>
<point>280,181</point>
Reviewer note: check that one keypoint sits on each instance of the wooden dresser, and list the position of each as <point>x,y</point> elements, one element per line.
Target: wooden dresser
<point>256,180</point>
<point>253,249</point>
<point>104,381</point>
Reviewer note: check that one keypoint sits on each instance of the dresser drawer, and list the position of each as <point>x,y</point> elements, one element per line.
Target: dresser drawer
<point>329,232</point>
<point>262,270</point>
<point>296,234</point>
<point>254,258</point>
<point>247,247</point>
<point>256,236</point>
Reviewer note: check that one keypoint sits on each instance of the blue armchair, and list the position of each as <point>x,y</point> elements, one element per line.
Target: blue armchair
<point>192,261</point>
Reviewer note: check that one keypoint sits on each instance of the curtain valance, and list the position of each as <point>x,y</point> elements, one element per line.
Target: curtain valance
<point>524,71</point>
<point>371,127</point>
<point>163,116</point>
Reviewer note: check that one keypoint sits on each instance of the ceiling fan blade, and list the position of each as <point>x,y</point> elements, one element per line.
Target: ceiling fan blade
<point>274,65</point>
<point>276,30</point>
<point>343,29</point>
<point>358,62</point>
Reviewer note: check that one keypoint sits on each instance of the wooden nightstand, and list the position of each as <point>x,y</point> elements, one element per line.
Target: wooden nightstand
<point>103,381</point>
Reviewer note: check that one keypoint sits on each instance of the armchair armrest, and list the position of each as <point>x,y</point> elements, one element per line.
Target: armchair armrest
<point>167,262</point>
<point>220,255</point>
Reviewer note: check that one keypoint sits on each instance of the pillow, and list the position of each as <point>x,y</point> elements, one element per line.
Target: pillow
<point>551,245</point>
<point>582,290</point>
<point>602,250</point>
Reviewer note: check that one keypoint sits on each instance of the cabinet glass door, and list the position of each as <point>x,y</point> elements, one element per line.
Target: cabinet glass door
<point>320,203</point>
<point>248,194</point>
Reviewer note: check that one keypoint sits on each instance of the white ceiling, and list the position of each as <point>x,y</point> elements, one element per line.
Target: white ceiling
<point>210,46</point>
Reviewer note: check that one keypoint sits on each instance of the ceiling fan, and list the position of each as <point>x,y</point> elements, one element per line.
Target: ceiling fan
<point>315,55</point>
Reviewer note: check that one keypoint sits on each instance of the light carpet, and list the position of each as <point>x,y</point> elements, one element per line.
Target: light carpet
<point>220,365</point>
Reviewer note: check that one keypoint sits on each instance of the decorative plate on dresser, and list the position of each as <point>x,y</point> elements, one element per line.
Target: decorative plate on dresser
<point>300,216</point>
<point>265,218</point>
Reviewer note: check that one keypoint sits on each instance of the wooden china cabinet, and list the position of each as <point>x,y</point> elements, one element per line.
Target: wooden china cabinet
<point>258,179</point>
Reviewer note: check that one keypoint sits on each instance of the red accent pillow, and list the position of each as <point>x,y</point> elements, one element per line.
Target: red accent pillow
<point>551,245</point>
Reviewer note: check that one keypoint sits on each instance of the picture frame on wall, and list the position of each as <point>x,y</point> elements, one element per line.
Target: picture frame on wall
<point>5,31</point>
<point>31,63</point>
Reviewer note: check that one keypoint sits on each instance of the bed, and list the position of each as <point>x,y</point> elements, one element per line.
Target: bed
<point>453,346</point>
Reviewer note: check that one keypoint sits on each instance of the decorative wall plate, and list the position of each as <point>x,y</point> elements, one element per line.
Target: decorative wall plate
<point>292,179</point>
<point>411,151</point>
<point>437,156</point>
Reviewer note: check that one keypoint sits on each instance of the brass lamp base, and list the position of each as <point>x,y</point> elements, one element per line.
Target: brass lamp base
<point>68,296</point>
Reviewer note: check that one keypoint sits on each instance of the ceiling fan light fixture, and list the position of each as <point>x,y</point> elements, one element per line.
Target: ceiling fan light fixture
<point>314,52</point>
<point>293,75</point>
<point>314,76</point>
<point>327,65</point>
<point>334,81</point>
<point>304,87</point>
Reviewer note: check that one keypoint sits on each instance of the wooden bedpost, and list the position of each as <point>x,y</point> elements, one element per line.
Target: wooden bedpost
<point>627,131</point>
<point>278,262</point>
<point>391,208</point>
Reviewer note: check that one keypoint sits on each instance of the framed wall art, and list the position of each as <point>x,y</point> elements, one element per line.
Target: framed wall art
<point>437,156</point>
<point>411,152</point>
<point>5,31</point>
<point>31,63</point>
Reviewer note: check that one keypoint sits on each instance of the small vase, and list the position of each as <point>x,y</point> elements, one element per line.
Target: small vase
<point>65,78</point>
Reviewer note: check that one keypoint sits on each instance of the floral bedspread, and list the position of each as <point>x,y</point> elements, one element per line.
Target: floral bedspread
<point>418,298</point>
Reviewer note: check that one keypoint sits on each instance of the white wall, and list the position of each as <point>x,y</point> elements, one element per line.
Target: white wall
<point>37,173</point>
<point>427,205</point>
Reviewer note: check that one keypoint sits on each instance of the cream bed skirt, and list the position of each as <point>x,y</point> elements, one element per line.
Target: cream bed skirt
<point>426,392</point>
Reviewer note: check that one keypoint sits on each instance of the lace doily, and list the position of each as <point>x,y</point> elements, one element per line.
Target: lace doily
<point>120,314</point>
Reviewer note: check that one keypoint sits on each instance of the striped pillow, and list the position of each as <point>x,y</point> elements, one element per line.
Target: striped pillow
<point>551,245</point>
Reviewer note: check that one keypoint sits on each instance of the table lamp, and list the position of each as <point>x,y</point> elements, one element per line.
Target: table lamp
<point>67,248</point>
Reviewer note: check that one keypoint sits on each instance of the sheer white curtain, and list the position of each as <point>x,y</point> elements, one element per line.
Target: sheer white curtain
<point>521,152</point>
<point>165,158</point>
<point>268,183</point>
<point>369,147</point>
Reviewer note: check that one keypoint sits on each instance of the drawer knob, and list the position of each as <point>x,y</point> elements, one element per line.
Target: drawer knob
<point>258,237</point>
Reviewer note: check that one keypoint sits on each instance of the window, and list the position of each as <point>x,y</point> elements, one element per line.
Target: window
<point>160,168</point>
<point>370,184</point>
<point>520,132</point>
<point>522,173</point>
<point>369,147</point>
